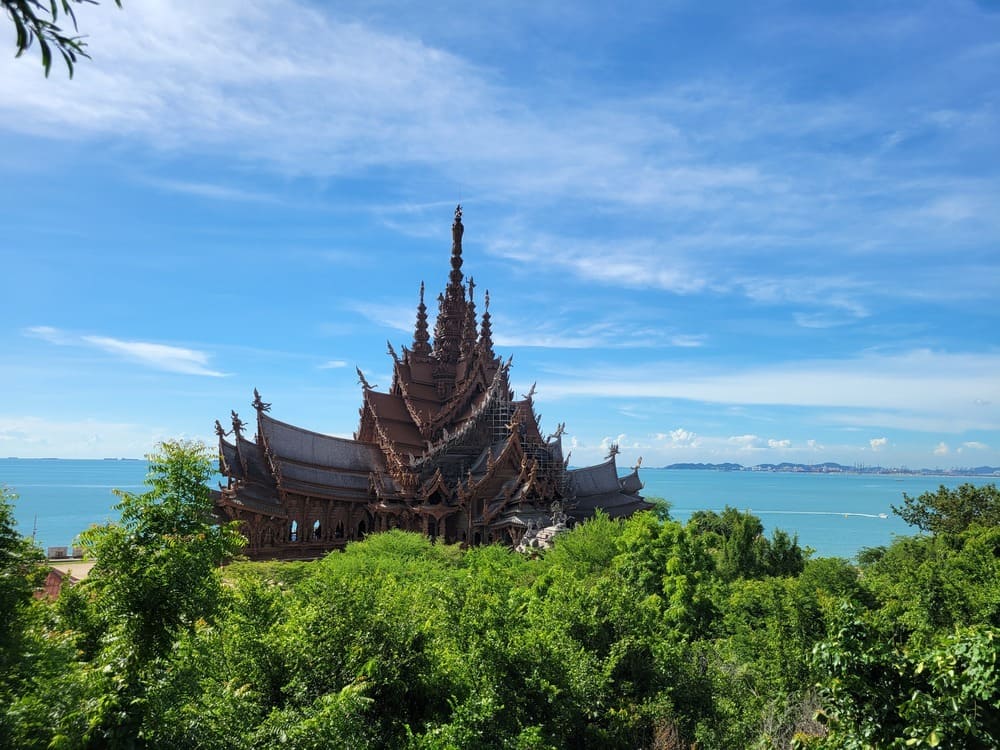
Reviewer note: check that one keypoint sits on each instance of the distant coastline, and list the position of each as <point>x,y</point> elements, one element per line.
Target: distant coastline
<point>835,468</point>
<point>828,467</point>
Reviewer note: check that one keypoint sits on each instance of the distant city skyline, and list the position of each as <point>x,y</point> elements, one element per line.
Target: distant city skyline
<point>710,234</point>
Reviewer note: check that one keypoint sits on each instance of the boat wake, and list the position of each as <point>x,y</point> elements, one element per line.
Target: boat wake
<point>817,513</point>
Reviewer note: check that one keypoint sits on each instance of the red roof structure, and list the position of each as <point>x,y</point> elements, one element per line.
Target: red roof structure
<point>447,451</point>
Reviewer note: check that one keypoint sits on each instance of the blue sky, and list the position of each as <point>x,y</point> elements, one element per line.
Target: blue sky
<point>711,232</point>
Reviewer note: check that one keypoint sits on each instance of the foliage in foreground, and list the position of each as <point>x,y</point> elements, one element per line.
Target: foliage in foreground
<point>38,21</point>
<point>644,633</point>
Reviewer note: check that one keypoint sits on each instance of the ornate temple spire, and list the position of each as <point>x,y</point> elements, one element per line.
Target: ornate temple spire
<point>469,331</point>
<point>421,338</point>
<point>452,305</point>
<point>486,331</point>
<point>457,230</point>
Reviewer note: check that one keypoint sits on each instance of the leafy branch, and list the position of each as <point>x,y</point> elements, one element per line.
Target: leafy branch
<point>38,20</point>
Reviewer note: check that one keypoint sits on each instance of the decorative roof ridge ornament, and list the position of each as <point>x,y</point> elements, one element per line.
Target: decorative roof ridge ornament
<point>258,403</point>
<point>392,351</point>
<point>363,380</point>
<point>218,429</point>
<point>238,424</point>
<point>638,463</point>
<point>560,431</point>
<point>613,451</point>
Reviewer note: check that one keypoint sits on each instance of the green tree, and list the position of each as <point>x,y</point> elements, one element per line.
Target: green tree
<point>877,694</point>
<point>38,20</point>
<point>952,511</point>
<point>19,574</point>
<point>155,577</point>
<point>19,569</point>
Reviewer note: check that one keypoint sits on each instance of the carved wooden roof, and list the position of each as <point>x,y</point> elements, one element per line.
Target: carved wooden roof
<point>447,431</point>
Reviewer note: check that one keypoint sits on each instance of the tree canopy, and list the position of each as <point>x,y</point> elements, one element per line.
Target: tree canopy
<point>637,633</point>
<point>950,511</point>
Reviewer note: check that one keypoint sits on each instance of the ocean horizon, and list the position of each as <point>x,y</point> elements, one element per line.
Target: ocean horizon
<point>834,514</point>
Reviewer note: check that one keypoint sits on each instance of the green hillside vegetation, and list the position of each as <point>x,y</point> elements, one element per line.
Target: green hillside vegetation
<point>644,633</point>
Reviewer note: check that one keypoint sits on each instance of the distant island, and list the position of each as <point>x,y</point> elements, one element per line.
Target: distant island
<point>835,468</point>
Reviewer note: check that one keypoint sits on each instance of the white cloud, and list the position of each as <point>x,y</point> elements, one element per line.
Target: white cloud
<point>746,442</point>
<point>48,333</point>
<point>679,438</point>
<point>772,443</point>
<point>39,437</point>
<point>157,356</point>
<point>878,444</point>
<point>937,389</point>
<point>941,449</point>
<point>688,341</point>
<point>399,317</point>
<point>973,445</point>
<point>306,89</point>
<point>607,442</point>
<point>625,263</point>
<point>680,435</point>
<point>333,364</point>
<point>208,190</point>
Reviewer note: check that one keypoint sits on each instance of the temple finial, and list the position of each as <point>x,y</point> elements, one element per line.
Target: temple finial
<point>363,380</point>
<point>258,403</point>
<point>238,424</point>
<point>469,329</point>
<point>457,230</point>
<point>612,451</point>
<point>486,330</point>
<point>421,338</point>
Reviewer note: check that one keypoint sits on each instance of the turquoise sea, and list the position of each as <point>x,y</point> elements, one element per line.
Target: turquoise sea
<point>835,514</point>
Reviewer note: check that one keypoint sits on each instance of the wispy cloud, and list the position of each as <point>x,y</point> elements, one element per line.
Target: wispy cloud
<point>163,357</point>
<point>333,364</point>
<point>556,332</point>
<point>940,388</point>
<point>973,445</point>
<point>41,437</point>
<point>157,356</point>
<point>395,316</point>
<point>209,190</point>
<point>50,334</point>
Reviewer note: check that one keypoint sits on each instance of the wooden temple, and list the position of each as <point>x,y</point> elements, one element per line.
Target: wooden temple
<point>448,451</point>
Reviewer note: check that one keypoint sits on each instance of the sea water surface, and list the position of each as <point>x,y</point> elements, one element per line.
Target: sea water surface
<point>834,514</point>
